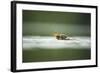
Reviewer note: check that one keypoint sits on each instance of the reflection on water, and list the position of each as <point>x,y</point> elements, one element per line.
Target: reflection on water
<point>43,48</point>
<point>52,42</point>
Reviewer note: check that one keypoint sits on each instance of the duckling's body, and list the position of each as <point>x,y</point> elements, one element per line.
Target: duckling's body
<point>61,36</point>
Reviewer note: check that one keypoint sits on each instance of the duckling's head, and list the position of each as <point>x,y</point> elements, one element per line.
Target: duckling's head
<point>57,35</point>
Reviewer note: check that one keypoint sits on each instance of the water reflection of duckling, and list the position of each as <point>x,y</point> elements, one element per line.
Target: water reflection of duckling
<point>61,36</point>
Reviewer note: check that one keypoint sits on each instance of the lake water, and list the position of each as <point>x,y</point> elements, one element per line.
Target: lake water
<point>53,43</point>
<point>44,48</point>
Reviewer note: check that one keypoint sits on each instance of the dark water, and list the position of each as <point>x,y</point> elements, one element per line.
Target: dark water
<point>43,55</point>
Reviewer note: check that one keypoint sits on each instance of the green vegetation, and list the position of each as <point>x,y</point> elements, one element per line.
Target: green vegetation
<point>45,23</point>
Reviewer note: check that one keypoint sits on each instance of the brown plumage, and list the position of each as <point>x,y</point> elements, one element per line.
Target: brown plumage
<point>60,36</point>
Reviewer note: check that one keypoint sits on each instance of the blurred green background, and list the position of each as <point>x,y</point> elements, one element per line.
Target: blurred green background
<point>43,55</point>
<point>46,23</point>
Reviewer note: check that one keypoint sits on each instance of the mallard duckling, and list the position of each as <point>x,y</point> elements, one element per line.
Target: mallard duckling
<point>60,36</point>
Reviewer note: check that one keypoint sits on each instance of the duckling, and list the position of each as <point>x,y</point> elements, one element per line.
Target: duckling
<point>60,36</point>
